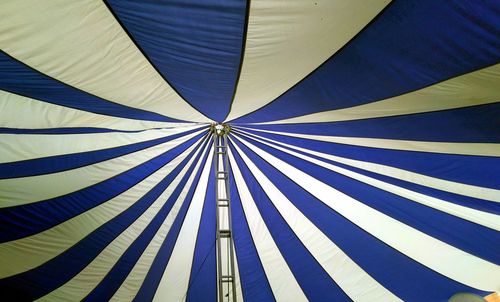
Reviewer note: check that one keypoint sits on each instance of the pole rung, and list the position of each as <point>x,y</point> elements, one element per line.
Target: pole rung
<point>224,233</point>
<point>224,175</point>
<point>227,277</point>
<point>223,202</point>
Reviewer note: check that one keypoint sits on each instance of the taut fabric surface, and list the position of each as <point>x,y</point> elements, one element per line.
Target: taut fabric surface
<point>364,151</point>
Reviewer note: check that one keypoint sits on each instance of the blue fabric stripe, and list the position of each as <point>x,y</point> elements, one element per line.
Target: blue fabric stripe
<point>475,203</point>
<point>470,237</point>
<point>396,54</point>
<point>110,284</point>
<point>408,279</point>
<point>475,170</point>
<point>312,278</point>
<point>253,279</point>
<point>153,278</point>
<point>202,281</point>
<point>58,163</point>
<point>195,45</point>
<point>62,268</point>
<point>25,220</point>
<point>55,131</point>
<point>476,124</point>
<point>18,78</point>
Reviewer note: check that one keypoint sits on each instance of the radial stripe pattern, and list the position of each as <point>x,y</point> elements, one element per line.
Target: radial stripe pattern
<point>363,150</point>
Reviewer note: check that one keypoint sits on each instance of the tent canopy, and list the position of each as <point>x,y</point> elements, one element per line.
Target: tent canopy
<point>364,151</point>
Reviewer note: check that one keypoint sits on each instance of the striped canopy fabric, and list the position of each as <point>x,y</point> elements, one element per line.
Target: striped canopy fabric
<point>364,151</point>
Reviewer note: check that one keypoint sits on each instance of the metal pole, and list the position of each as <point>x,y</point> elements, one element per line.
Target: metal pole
<point>225,249</point>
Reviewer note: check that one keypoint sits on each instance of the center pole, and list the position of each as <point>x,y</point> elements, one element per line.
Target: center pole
<point>226,281</point>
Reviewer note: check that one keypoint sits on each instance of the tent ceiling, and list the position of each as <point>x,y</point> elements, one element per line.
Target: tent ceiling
<point>364,149</point>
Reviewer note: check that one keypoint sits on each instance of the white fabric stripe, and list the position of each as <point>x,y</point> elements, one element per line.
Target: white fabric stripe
<point>353,280</point>
<point>24,190</point>
<point>20,255</point>
<point>239,293</point>
<point>131,285</point>
<point>483,218</point>
<point>21,112</point>
<point>15,147</point>
<point>475,88</point>
<point>413,177</point>
<point>281,280</point>
<point>82,44</point>
<point>86,280</point>
<point>479,149</point>
<point>174,282</point>
<point>286,40</point>
<point>431,252</point>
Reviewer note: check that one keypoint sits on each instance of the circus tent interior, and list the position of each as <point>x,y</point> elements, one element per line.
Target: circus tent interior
<point>263,150</point>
